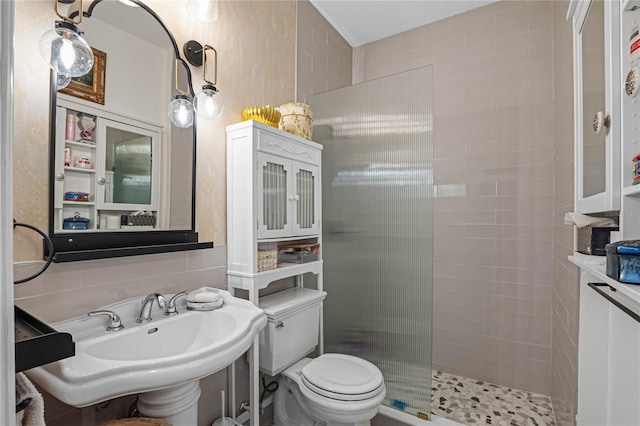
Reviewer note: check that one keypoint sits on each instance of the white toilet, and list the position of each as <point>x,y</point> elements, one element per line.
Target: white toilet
<point>330,390</point>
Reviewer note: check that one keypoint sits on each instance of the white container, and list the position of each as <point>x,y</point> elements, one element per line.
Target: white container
<point>293,328</point>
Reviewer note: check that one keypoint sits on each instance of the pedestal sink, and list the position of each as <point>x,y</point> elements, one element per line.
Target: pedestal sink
<point>162,360</point>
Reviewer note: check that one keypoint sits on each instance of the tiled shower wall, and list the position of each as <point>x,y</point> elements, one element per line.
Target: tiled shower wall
<point>494,146</point>
<point>565,274</point>
<point>323,56</point>
<point>494,165</point>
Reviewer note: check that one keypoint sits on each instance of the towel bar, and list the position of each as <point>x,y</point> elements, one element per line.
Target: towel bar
<point>610,298</point>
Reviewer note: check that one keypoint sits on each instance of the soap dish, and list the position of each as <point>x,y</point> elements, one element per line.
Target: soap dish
<point>204,299</point>
<point>204,306</point>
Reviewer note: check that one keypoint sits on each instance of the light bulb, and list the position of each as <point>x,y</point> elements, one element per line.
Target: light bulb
<point>208,103</point>
<point>67,54</point>
<point>65,51</point>
<point>180,111</point>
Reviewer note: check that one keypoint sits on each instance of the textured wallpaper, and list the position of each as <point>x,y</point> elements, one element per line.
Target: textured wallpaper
<point>255,41</point>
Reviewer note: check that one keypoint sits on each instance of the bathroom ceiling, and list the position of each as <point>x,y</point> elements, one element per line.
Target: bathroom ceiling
<point>363,21</point>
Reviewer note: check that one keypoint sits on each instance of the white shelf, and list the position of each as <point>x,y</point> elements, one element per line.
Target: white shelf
<point>79,169</point>
<point>79,203</point>
<point>596,266</point>
<point>261,280</point>
<point>633,190</point>
<point>76,143</point>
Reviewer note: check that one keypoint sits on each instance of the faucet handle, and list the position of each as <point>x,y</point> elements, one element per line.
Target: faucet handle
<point>171,307</point>
<point>114,320</point>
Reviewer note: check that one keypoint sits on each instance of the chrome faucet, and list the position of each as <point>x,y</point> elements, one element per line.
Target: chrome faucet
<point>171,307</point>
<point>147,304</point>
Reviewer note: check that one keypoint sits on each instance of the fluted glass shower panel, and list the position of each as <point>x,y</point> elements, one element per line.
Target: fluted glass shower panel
<point>377,206</point>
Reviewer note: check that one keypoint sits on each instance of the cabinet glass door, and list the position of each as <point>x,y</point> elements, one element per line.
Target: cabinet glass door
<point>273,175</point>
<point>306,199</point>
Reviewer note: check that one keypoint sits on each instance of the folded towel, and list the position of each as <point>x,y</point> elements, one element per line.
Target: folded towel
<point>34,411</point>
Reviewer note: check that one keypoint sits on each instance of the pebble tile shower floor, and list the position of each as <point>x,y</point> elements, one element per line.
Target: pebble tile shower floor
<point>474,402</point>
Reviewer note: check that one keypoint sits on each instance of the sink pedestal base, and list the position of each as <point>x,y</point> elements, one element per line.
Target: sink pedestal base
<point>177,405</point>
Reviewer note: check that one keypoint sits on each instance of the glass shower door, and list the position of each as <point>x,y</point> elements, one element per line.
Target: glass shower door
<point>377,177</point>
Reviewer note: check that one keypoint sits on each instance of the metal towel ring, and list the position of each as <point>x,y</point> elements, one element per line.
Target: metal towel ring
<point>49,247</point>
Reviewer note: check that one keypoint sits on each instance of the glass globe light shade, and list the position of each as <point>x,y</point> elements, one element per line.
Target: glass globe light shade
<point>203,10</point>
<point>208,103</point>
<point>62,81</point>
<point>65,51</point>
<point>180,111</point>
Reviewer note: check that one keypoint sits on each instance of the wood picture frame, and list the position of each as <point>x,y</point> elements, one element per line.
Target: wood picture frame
<point>90,86</point>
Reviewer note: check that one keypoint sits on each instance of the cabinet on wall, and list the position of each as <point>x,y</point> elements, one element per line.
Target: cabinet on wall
<point>109,171</point>
<point>273,200</point>
<point>597,91</point>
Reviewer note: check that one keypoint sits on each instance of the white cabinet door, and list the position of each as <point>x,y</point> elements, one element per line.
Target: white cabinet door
<point>597,90</point>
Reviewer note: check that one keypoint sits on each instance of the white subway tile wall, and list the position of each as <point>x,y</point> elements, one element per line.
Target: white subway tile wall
<point>323,56</point>
<point>494,143</point>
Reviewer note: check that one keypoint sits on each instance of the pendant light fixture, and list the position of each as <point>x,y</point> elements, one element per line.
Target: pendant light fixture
<point>180,110</point>
<point>208,102</point>
<point>62,81</point>
<point>63,47</point>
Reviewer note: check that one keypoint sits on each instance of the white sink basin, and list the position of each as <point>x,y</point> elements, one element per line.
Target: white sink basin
<point>164,352</point>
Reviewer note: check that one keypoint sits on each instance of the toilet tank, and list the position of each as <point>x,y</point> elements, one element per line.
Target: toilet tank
<point>293,328</point>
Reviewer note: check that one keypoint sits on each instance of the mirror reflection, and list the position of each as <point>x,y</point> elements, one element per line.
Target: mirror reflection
<point>128,162</point>
<point>120,165</point>
<point>593,92</point>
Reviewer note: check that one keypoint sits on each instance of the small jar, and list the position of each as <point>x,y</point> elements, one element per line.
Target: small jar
<point>82,162</point>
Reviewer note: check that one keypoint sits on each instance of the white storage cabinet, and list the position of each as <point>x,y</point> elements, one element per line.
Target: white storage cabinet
<point>273,197</point>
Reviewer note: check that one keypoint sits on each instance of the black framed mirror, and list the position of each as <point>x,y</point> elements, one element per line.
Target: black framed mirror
<point>122,176</point>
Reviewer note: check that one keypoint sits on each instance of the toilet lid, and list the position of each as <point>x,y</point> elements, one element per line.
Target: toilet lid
<point>342,377</point>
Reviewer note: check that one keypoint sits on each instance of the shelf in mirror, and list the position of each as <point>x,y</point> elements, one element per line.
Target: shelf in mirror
<point>79,169</point>
<point>90,145</point>
<point>80,203</point>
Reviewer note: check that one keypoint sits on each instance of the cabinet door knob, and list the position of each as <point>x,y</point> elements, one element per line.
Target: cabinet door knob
<point>280,325</point>
<point>59,176</point>
<point>600,121</point>
<point>632,82</point>
<point>101,181</point>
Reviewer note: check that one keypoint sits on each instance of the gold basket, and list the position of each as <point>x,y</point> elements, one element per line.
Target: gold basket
<point>266,115</point>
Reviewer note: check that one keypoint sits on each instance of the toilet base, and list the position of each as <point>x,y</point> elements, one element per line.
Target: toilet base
<point>290,408</point>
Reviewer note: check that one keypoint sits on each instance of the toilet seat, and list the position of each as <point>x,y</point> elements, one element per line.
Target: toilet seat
<point>342,377</point>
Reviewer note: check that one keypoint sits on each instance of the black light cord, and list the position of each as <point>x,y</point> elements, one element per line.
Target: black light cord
<point>270,387</point>
<point>49,247</point>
